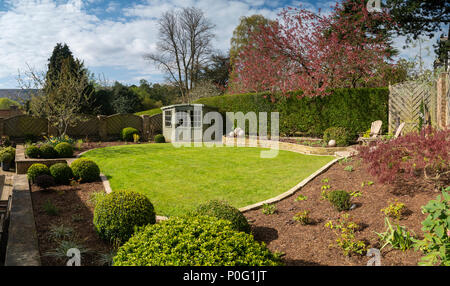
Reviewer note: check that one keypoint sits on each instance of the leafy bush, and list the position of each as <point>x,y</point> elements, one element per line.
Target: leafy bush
<point>118,213</point>
<point>36,170</point>
<point>302,217</point>
<point>424,152</point>
<point>64,150</point>
<point>345,229</point>
<point>6,157</point>
<point>61,172</point>
<point>193,241</point>
<point>159,138</point>
<point>339,134</point>
<point>47,151</point>
<point>44,181</point>
<point>55,140</point>
<point>50,208</point>
<point>32,152</point>
<point>340,199</point>
<point>128,132</point>
<point>436,227</point>
<point>10,150</point>
<point>222,210</point>
<point>269,209</point>
<point>398,237</point>
<point>394,209</point>
<point>354,108</point>
<point>85,170</point>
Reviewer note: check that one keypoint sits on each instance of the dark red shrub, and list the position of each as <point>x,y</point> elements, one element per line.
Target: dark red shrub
<point>409,155</point>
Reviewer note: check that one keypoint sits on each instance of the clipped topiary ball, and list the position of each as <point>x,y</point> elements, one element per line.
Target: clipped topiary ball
<point>127,133</point>
<point>339,134</point>
<point>62,173</point>
<point>64,150</point>
<point>33,152</point>
<point>118,213</point>
<point>47,151</point>
<point>340,199</point>
<point>222,210</point>
<point>85,170</point>
<point>193,241</point>
<point>44,181</point>
<point>160,139</point>
<point>36,170</point>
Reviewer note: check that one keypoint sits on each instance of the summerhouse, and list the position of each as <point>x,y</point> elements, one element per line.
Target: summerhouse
<point>185,118</point>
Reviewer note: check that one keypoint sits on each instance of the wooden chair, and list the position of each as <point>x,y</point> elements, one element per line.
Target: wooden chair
<point>399,130</point>
<point>375,130</point>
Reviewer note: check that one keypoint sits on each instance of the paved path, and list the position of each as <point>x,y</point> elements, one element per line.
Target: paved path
<point>6,181</point>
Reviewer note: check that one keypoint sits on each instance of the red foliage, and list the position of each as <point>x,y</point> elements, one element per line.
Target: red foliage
<point>409,154</point>
<point>313,52</point>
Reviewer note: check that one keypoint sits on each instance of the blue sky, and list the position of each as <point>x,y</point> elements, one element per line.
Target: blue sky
<point>112,36</point>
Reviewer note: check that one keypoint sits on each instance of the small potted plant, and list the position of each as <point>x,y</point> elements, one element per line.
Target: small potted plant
<point>6,159</point>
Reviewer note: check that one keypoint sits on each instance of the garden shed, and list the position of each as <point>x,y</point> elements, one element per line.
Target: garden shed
<point>179,118</point>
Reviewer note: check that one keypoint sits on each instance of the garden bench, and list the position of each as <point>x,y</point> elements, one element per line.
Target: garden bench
<point>375,130</point>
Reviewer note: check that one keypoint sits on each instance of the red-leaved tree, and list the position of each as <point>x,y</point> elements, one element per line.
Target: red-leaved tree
<point>311,52</point>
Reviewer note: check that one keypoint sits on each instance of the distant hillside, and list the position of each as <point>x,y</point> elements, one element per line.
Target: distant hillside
<point>150,112</point>
<point>16,94</point>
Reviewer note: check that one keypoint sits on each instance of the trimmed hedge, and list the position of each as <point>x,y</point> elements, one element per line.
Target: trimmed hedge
<point>159,138</point>
<point>222,210</point>
<point>339,134</point>
<point>33,151</point>
<point>85,170</point>
<point>37,169</point>
<point>118,213</point>
<point>354,109</point>
<point>47,151</point>
<point>64,150</point>
<point>127,133</point>
<point>193,241</point>
<point>61,172</point>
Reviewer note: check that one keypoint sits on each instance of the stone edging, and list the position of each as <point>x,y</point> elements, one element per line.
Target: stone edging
<point>22,247</point>
<point>292,190</point>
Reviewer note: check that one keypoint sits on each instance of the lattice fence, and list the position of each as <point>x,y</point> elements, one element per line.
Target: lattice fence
<point>115,123</point>
<point>88,127</point>
<point>22,125</point>
<point>405,101</point>
<point>155,124</point>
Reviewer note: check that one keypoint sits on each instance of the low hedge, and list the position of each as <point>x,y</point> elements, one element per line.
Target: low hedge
<point>85,170</point>
<point>128,132</point>
<point>64,150</point>
<point>37,169</point>
<point>193,241</point>
<point>222,210</point>
<point>47,151</point>
<point>33,151</point>
<point>354,109</point>
<point>159,138</point>
<point>339,134</point>
<point>118,213</point>
<point>61,172</point>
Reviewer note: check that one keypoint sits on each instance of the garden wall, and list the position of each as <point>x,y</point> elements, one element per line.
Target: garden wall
<point>99,127</point>
<point>354,109</point>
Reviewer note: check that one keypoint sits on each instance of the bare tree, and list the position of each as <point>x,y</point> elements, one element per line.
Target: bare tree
<point>184,46</point>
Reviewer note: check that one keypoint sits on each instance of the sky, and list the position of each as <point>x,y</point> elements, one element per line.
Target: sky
<point>112,36</point>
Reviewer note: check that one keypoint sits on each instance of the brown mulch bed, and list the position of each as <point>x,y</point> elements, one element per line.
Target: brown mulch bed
<point>75,210</point>
<point>310,244</point>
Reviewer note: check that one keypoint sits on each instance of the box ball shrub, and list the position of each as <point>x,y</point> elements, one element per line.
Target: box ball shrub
<point>222,210</point>
<point>339,134</point>
<point>193,241</point>
<point>44,181</point>
<point>159,138</point>
<point>340,199</point>
<point>118,213</point>
<point>127,133</point>
<point>36,170</point>
<point>85,170</point>
<point>47,151</point>
<point>64,150</point>
<point>10,150</point>
<point>32,152</point>
<point>62,173</point>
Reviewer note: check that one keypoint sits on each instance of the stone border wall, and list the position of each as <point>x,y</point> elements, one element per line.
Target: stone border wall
<point>22,163</point>
<point>22,247</point>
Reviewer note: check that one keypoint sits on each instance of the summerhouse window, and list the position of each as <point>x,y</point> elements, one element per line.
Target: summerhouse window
<point>197,118</point>
<point>168,118</point>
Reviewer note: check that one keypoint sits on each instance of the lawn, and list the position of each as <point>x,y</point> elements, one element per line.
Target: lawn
<point>178,179</point>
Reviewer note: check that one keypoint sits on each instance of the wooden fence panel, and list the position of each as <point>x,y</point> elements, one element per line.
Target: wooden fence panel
<point>156,124</point>
<point>21,125</point>
<point>115,123</point>
<point>88,127</point>
<point>404,104</point>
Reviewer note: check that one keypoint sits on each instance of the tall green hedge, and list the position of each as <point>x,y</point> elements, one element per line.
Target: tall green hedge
<point>354,109</point>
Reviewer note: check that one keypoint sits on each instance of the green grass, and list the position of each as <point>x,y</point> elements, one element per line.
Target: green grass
<point>178,179</point>
<point>149,112</point>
